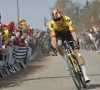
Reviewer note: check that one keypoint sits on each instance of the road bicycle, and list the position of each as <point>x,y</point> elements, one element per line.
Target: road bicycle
<point>74,67</point>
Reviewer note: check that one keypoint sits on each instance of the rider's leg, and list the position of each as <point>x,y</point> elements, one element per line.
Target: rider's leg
<point>62,51</point>
<point>82,64</point>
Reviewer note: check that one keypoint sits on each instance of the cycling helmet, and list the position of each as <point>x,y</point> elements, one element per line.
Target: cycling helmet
<point>56,13</point>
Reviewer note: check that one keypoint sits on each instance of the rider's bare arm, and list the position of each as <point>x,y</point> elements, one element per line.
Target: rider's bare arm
<point>74,36</point>
<point>53,42</point>
<point>52,35</point>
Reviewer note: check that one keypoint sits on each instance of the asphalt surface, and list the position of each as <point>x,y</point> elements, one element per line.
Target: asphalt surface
<point>49,73</point>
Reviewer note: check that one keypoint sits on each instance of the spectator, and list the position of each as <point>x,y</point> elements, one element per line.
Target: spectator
<point>98,40</point>
<point>92,40</point>
<point>18,35</point>
<point>87,41</point>
<point>46,44</point>
<point>1,34</point>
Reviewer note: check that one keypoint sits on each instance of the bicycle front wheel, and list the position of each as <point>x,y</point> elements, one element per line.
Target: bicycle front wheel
<point>80,72</point>
<point>75,75</point>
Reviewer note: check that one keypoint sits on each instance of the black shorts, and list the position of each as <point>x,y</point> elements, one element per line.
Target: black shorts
<point>68,37</point>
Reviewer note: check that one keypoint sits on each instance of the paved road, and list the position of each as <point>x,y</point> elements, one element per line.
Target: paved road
<point>49,73</point>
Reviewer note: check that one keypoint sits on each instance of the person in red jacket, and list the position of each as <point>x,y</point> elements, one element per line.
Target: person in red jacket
<point>10,26</point>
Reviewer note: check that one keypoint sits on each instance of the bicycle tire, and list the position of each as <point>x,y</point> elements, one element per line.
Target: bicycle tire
<point>80,72</point>
<point>75,76</point>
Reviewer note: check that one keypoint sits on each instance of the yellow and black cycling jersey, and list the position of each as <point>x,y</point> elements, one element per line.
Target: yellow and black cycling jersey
<point>66,26</point>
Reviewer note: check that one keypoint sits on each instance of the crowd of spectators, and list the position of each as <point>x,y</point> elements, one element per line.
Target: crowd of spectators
<point>90,39</point>
<point>21,35</point>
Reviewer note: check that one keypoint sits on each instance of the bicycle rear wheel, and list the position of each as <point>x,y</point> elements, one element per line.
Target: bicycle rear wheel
<point>75,75</point>
<point>80,72</point>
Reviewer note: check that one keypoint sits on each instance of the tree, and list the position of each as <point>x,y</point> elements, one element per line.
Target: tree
<point>80,15</point>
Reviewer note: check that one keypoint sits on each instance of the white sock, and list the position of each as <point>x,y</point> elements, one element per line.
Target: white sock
<point>84,70</point>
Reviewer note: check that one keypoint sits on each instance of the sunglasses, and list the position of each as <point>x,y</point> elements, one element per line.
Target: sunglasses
<point>58,19</point>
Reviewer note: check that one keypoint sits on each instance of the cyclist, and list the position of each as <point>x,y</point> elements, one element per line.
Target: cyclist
<point>61,27</point>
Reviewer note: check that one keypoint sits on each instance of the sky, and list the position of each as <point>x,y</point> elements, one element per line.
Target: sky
<point>33,11</point>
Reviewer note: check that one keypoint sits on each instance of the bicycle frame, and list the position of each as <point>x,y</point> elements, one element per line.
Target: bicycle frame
<point>73,62</point>
<point>69,53</point>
